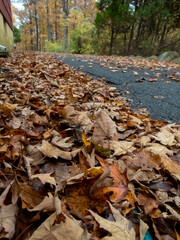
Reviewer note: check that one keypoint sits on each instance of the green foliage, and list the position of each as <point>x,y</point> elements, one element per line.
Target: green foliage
<point>136,27</point>
<point>81,40</point>
<point>54,47</point>
<point>17,35</point>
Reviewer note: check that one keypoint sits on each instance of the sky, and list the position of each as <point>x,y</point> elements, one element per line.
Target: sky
<point>19,6</point>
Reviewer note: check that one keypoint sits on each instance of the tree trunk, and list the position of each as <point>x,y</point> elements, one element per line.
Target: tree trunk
<point>130,39</point>
<point>112,41</point>
<point>37,29</point>
<point>161,43</point>
<point>138,34</point>
<point>31,29</point>
<point>65,17</point>
<point>55,20</point>
<point>125,38</point>
<point>48,23</point>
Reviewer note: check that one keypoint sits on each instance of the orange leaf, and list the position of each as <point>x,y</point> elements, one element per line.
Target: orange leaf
<point>84,138</point>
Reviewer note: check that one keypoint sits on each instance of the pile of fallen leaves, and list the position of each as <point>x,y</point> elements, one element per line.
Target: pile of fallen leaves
<point>77,163</point>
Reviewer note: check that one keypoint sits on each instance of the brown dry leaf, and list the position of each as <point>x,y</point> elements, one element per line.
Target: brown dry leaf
<point>157,148</point>
<point>31,194</point>
<point>116,229</point>
<point>47,204</point>
<point>35,154</point>
<point>67,228</point>
<point>77,118</point>
<point>104,129</point>
<point>27,162</point>
<point>166,138</point>
<point>143,229</point>
<point>148,203</point>
<point>7,108</point>
<point>144,160</point>
<point>3,148</point>
<point>45,178</point>
<point>53,152</point>
<point>121,147</point>
<point>78,196</point>
<point>8,219</point>
<point>142,141</point>
<point>122,221</point>
<point>14,123</point>
<point>168,165</point>
<point>62,143</point>
<point>133,121</point>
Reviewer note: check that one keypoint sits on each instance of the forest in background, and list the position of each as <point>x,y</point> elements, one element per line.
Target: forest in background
<point>110,27</point>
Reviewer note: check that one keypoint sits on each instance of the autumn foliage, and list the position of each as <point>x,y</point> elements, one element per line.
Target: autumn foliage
<point>77,162</point>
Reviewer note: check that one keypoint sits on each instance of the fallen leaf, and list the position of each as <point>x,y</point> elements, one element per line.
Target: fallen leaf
<point>116,229</point>
<point>53,152</point>
<point>143,229</point>
<point>50,229</point>
<point>135,73</point>
<point>121,147</point>
<point>104,129</point>
<point>148,203</point>
<point>7,108</point>
<point>62,143</point>
<point>8,219</point>
<point>157,148</point>
<point>45,178</point>
<point>47,204</point>
<point>166,138</point>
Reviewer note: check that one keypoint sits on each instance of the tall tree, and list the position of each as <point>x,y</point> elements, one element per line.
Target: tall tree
<point>48,21</point>
<point>65,28</point>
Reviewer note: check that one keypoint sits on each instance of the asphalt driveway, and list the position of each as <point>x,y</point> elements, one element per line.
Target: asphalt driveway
<point>155,90</point>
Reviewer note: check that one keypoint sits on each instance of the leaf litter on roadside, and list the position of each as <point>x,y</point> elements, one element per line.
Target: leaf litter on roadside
<point>77,162</point>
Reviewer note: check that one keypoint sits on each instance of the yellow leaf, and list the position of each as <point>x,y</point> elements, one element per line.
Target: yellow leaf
<point>84,138</point>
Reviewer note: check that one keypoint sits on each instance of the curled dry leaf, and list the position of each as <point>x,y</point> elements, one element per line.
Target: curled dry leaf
<point>53,152</point>
<point>116,230</point>
<point>8,219</point>
<point>7,108</point>
<point>104,129</point>
<point>166,138</point>
<point>157,148</point>
<point>142,141</point>
<point>121,147</point>
<point>143,229</point>
<point>47,204</point>
<point>62,143</point>
<point>45,178</point>
<point>77,118</point>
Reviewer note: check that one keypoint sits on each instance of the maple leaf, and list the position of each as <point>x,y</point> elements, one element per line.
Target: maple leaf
<point>119,189</point>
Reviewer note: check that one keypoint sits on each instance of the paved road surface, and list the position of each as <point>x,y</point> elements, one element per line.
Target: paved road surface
<point>161,98</point>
